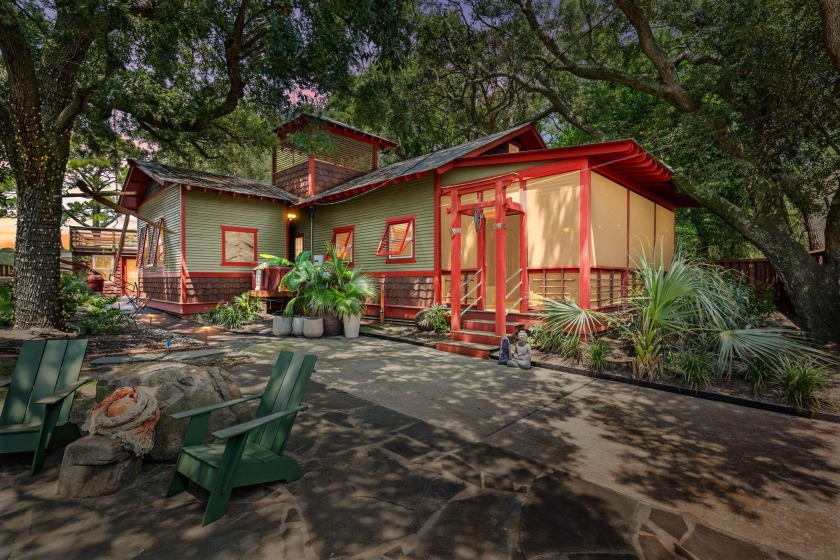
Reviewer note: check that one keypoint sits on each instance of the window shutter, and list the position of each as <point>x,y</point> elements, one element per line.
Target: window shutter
<point>158,250</point>
<point>385,243</point>
<point>141,244</point>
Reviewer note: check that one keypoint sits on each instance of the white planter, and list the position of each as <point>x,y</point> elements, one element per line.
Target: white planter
<point>313,327</point>
<point>281,326</point>
<point>351,326</point>
<point>297,326</point>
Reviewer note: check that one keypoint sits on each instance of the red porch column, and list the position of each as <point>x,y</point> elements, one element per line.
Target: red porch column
<point>585,229</point>
<point>524,288</point>
<point>437,293</point>
<point>481,261</point>
<point>455,252</point>
<point>501,258</point>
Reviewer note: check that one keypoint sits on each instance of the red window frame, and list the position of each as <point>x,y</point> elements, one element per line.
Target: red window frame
<point>155,240</point>
<point>141,245</point>
<point>352,231</point>
<point>292,251</point>
<point>225,230</point>
<point>384,249</point>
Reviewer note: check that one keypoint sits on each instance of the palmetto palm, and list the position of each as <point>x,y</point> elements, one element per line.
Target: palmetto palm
<point>691,301</point>
<point>348,289</point>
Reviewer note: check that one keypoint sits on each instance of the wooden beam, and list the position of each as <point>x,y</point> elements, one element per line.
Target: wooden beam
<point>102,193</point>
<point>118,208</point>
<point>119,250</point>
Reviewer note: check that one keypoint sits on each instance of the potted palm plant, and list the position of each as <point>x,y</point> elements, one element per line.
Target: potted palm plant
<point>347,292</point>
<point>306,282</point>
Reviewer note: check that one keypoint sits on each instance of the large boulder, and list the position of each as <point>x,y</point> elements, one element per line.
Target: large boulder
<point>95,466</point>
<point>178,387</point>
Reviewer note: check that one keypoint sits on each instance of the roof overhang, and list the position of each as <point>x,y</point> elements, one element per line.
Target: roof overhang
<point>300,122</point>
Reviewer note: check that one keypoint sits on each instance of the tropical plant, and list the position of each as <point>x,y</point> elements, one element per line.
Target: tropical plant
<point>693,301</point>
<point>274,260</point>
<point>74,293</point>
<point>307,282</point>
<point>243,309</point>
<point>556,341</point>
<point>99,317</point>
<point>801,383</point>
<point>346,290</point>
<point>438,318</point>
<point>596,354</point>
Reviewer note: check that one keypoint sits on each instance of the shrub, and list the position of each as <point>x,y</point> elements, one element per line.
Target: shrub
<point>694,367</point>
<point>556,341</point>
<point>756,373</point>
<point>7,304</point>
<point>75,293</point>
<point>242,310</point>
<point>801,382</point>
<point>99,318</point>
<point>596,354</point>
<point>437,317</point>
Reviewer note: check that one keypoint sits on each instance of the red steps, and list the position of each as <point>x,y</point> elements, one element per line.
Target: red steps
<point>471,349</point>
<point>477,338</point>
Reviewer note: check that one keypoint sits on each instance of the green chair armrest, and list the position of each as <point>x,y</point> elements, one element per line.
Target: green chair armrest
<point>246,427</point>
<point>62,394</point>
<point>212,407</point>
<point>5,383</point>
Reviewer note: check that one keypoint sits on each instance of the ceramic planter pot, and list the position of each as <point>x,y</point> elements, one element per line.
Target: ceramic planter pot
<point>313,327</point>
<point>281,326</point>
<point>351,326</point>
<point>332,325</point>
<point>297,326</point>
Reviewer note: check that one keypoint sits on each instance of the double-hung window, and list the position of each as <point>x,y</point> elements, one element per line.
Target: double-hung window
<point>397,243</point>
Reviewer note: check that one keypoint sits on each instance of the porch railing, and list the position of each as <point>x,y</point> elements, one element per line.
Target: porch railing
<point>512,308</point>
<point>478,279</point>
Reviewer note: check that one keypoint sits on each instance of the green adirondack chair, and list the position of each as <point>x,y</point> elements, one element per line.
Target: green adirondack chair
<point>40,394</point>
<point>253,451</point>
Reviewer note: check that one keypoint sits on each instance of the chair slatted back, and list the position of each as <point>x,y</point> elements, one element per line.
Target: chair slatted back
<point>43,367</point>
<point>285,390</point>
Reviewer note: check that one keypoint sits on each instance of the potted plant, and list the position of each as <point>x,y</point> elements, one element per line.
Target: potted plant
<point>307,281</point>
<point>347,292</point>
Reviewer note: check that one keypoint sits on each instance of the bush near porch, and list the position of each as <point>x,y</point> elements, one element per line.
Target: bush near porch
<point>697,327</point>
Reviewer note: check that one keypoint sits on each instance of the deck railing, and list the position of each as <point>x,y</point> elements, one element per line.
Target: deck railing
<point>7,270</point>
<point>92,239</point>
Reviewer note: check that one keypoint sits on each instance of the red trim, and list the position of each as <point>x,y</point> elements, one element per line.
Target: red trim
<point>367,139</point>
<point>524,289</point>
<point>501,259</point>
<point>552,169</point>
<point>455,273</point>
<point>352,231</point>
<point>585,229</point>
<point>481,250</point>
<point>437,240</point>
<point>286,216</point>
<point>143,274</point>
<point>311,175</point>
<point>393,273</point>
<point>226,229</point>
<point>183,297</point>
<point>530,127</point>
<point>390,256</point>
<point>218,275</point>
<point>636,188</point>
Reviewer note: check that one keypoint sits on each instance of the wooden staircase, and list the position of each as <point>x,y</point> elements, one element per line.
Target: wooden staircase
<point>477,336</point>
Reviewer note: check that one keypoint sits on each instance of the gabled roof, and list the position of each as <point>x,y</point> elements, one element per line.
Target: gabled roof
<point>304,118</point>
<point>202,179</point>
<point>422,165</point>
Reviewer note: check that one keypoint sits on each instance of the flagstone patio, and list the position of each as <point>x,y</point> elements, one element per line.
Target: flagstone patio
<point>412,453</point>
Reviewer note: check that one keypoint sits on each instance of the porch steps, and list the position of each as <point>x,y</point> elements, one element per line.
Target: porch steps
<point>471,349</point>
<point>478,337</point>
<point>487,325</point>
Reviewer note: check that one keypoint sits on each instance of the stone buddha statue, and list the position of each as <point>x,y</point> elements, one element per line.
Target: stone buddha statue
<point>520,355</point>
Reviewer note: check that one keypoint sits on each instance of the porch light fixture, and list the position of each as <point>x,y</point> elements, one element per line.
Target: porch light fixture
<point>291,216</point>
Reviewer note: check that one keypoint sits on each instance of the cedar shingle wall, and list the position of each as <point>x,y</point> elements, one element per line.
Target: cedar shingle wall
<point>294,180</point>
<point>164,289</point>
<point>412,291</point>
<point>201,290</point>
<point>327,176</point>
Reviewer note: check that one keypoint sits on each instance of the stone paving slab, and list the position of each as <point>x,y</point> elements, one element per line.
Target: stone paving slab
<point>106,360</point>
<point>193,354</point>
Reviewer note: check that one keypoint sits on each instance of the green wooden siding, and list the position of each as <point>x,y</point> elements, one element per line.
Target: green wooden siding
<point>462,174</point>
<point>207,212</point>
<point>369,213</point>
<point>168,206</point>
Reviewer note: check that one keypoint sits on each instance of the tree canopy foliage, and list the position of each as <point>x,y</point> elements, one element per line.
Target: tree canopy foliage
<point>173,71</point>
